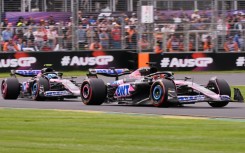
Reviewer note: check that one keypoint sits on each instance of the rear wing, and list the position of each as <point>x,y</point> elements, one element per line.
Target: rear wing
<point>25,73</point>
<point>111,72</point>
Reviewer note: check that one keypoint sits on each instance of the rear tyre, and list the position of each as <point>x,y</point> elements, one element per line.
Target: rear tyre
<point>93,91</point>
<point>10,88</point>
<point>40,84</point>
<point>159,92</point>
<point>219,86</point>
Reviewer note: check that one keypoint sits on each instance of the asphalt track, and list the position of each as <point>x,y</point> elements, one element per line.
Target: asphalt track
<point>232,110</point>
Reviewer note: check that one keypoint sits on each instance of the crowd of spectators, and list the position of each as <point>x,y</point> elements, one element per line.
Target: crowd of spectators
<point>203,30</point>
<point>121,32</point>
<point>91,32</point>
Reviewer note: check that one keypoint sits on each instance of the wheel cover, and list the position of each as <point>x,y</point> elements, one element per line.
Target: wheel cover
<point>86,91</point>
<point>34,91</point>
<point>157,92</point>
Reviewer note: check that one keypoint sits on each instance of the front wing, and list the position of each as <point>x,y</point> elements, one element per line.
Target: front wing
<point>185,99</point>
<point>64,93</point>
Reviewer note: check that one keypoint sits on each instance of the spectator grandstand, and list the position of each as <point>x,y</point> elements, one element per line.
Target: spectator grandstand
<point>51,25</point>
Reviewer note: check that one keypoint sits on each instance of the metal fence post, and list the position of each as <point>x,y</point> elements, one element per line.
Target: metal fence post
<point>74,23</point>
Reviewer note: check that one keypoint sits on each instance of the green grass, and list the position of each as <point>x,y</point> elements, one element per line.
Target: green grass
<point>75,73</point>
<point>48,131</point>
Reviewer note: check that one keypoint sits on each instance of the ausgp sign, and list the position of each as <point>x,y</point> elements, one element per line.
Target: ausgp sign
<point>86,61</point>
<point>177,62</point>
<point>22,62</point>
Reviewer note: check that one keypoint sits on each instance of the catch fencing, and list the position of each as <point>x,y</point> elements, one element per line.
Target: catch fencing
<point>156,22</point>
<point>192,21</point>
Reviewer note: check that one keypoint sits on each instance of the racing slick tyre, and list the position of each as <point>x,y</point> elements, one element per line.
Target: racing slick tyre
<point>10,88</point>
<point>159,92</point>
<point>93,91</point>
<point>219,86</point>
<point>40,84</point>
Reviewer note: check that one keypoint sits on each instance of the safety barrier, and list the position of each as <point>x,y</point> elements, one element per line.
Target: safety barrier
<point>83,60</point>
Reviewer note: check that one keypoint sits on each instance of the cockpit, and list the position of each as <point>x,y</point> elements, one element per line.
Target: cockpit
<point>144,71</point>
<point>151,72</point>
<point>47,69</point>
<point>50,73</point>
<point>52,76</point>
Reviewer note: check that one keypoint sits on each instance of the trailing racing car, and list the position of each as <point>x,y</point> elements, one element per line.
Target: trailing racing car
<point>42,84</point>
<point>147,85</point>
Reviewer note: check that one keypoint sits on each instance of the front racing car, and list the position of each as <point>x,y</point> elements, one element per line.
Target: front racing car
<point>148,86</point>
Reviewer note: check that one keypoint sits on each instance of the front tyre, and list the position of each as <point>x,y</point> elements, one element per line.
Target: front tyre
<point>93,91</point>
<point>221,87</point>
<point>159,92</point>
<point>39,86</point>
<point>10,88</point>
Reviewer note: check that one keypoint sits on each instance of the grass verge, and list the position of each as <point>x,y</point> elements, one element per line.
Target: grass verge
<point>42,131</point>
